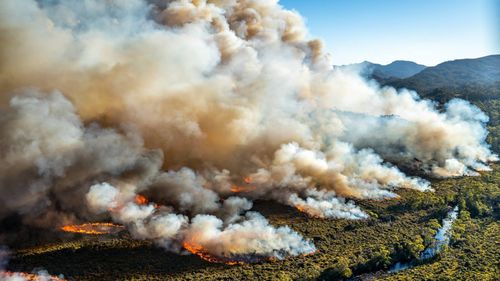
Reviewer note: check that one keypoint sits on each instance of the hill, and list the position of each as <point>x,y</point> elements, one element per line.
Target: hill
<point>471,79</point>
<point>395,70</point>
<point>399,69</point>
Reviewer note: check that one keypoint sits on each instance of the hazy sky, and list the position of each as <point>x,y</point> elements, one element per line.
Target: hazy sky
<point>424,31</point>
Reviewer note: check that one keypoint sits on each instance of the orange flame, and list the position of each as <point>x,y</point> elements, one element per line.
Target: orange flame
<point>240,188</point>
<point>309,212</point>
<point>141,200</point>
<point>300,208</point>
<point>28,276</point>
<point>201,252</point>
<point>311,253</point>
<point>95,228</point>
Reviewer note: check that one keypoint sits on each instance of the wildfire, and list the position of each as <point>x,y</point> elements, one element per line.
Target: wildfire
<point>140,200</point>
<point>202,253</point>
<point>308,211</point>
<point>240,188</point>
<point>95,228</point>
<point>28,276</point>
<point>300,208</point>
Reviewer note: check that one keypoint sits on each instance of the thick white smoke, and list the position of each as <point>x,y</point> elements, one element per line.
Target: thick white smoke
<point>204,233</point>
<point>193,102</point>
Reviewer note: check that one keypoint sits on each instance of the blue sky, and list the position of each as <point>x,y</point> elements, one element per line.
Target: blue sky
<point>381,31</point>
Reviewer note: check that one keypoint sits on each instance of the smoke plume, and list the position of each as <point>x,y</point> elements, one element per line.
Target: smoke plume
<point>204,106</point>
<point>38,275</point>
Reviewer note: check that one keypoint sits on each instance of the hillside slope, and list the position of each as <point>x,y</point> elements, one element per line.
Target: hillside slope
<point>395,70</point>
<point>471,79</point>
<point>399,69</point>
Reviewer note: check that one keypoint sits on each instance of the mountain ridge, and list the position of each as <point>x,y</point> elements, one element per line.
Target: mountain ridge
<point>474,79</point>
<point>397,69</point>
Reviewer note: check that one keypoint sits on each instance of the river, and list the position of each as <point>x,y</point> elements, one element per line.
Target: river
<point>441,239</point>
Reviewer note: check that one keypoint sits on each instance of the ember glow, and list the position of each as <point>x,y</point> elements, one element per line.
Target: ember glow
<point>307,211</point>
<point>198,250</point>
<point>17,276</point>
<point>244,188</point>
<point>241,189</point>
<point>300,209</point>
<point>201,252</point>
<point>141,200</point>
<point>95,228</point>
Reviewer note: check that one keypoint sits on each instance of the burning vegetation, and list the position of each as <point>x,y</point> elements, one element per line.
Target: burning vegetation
<point>204,254</point>
<point>141,200</point>
<point>94,228</point>
<point>246,187</point>
<point>201,252</point>
<point>17,276</point>
<point>300,209</point>
<point>242,189</point>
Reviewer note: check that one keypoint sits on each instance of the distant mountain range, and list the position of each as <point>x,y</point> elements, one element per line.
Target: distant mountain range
<point>396,70</point>
<point>471,79</point>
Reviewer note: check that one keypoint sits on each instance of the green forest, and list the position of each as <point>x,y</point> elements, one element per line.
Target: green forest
<point>397,230</point>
